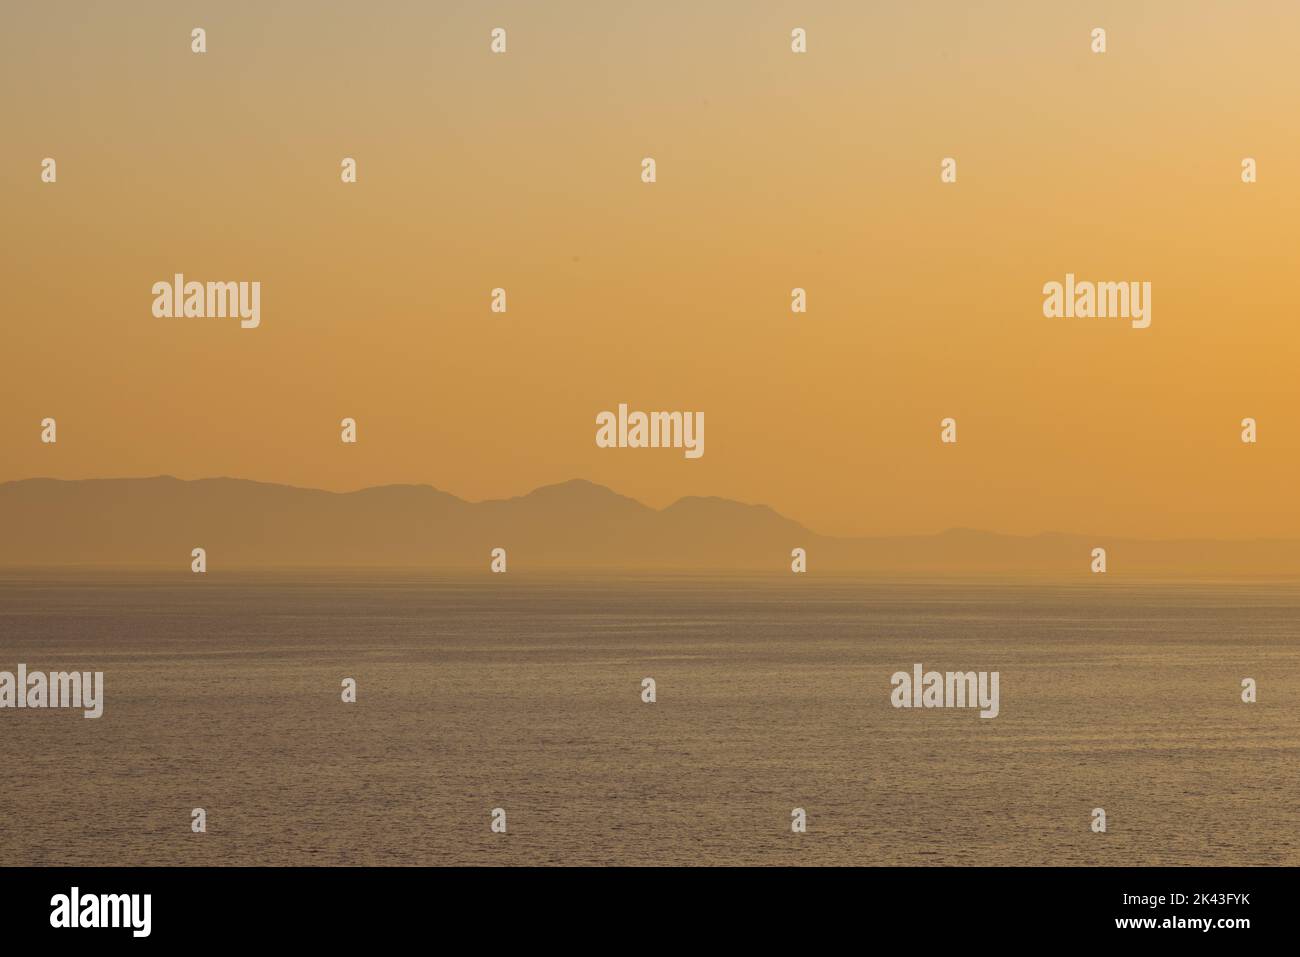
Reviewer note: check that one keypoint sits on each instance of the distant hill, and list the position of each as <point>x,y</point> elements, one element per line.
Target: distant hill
<point>157,521</point>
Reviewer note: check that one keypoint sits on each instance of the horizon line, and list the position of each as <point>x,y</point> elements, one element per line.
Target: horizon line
<point>583,481</point>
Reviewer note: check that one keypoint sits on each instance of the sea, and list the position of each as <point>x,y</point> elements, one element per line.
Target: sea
<point>521,699</point>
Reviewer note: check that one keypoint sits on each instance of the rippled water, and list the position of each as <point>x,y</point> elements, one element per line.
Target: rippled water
<point>524,693</point>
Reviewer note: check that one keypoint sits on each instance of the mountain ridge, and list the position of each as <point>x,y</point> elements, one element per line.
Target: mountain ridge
<point>156,521</point>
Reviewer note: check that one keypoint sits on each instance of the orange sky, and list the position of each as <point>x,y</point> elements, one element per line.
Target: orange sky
<point>775,170</point>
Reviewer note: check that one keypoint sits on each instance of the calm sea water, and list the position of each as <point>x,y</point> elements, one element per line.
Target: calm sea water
<point>524,693</point>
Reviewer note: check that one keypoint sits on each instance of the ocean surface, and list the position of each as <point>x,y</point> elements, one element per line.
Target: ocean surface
<point>524,693</point>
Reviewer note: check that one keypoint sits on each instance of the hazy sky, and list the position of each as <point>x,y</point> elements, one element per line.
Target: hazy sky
<point>775,170</point>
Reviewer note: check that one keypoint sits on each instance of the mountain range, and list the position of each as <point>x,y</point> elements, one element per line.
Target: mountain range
<point>242,523</point>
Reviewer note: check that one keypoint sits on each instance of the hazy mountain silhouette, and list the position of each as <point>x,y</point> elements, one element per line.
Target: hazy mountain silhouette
<point>157,521</point>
